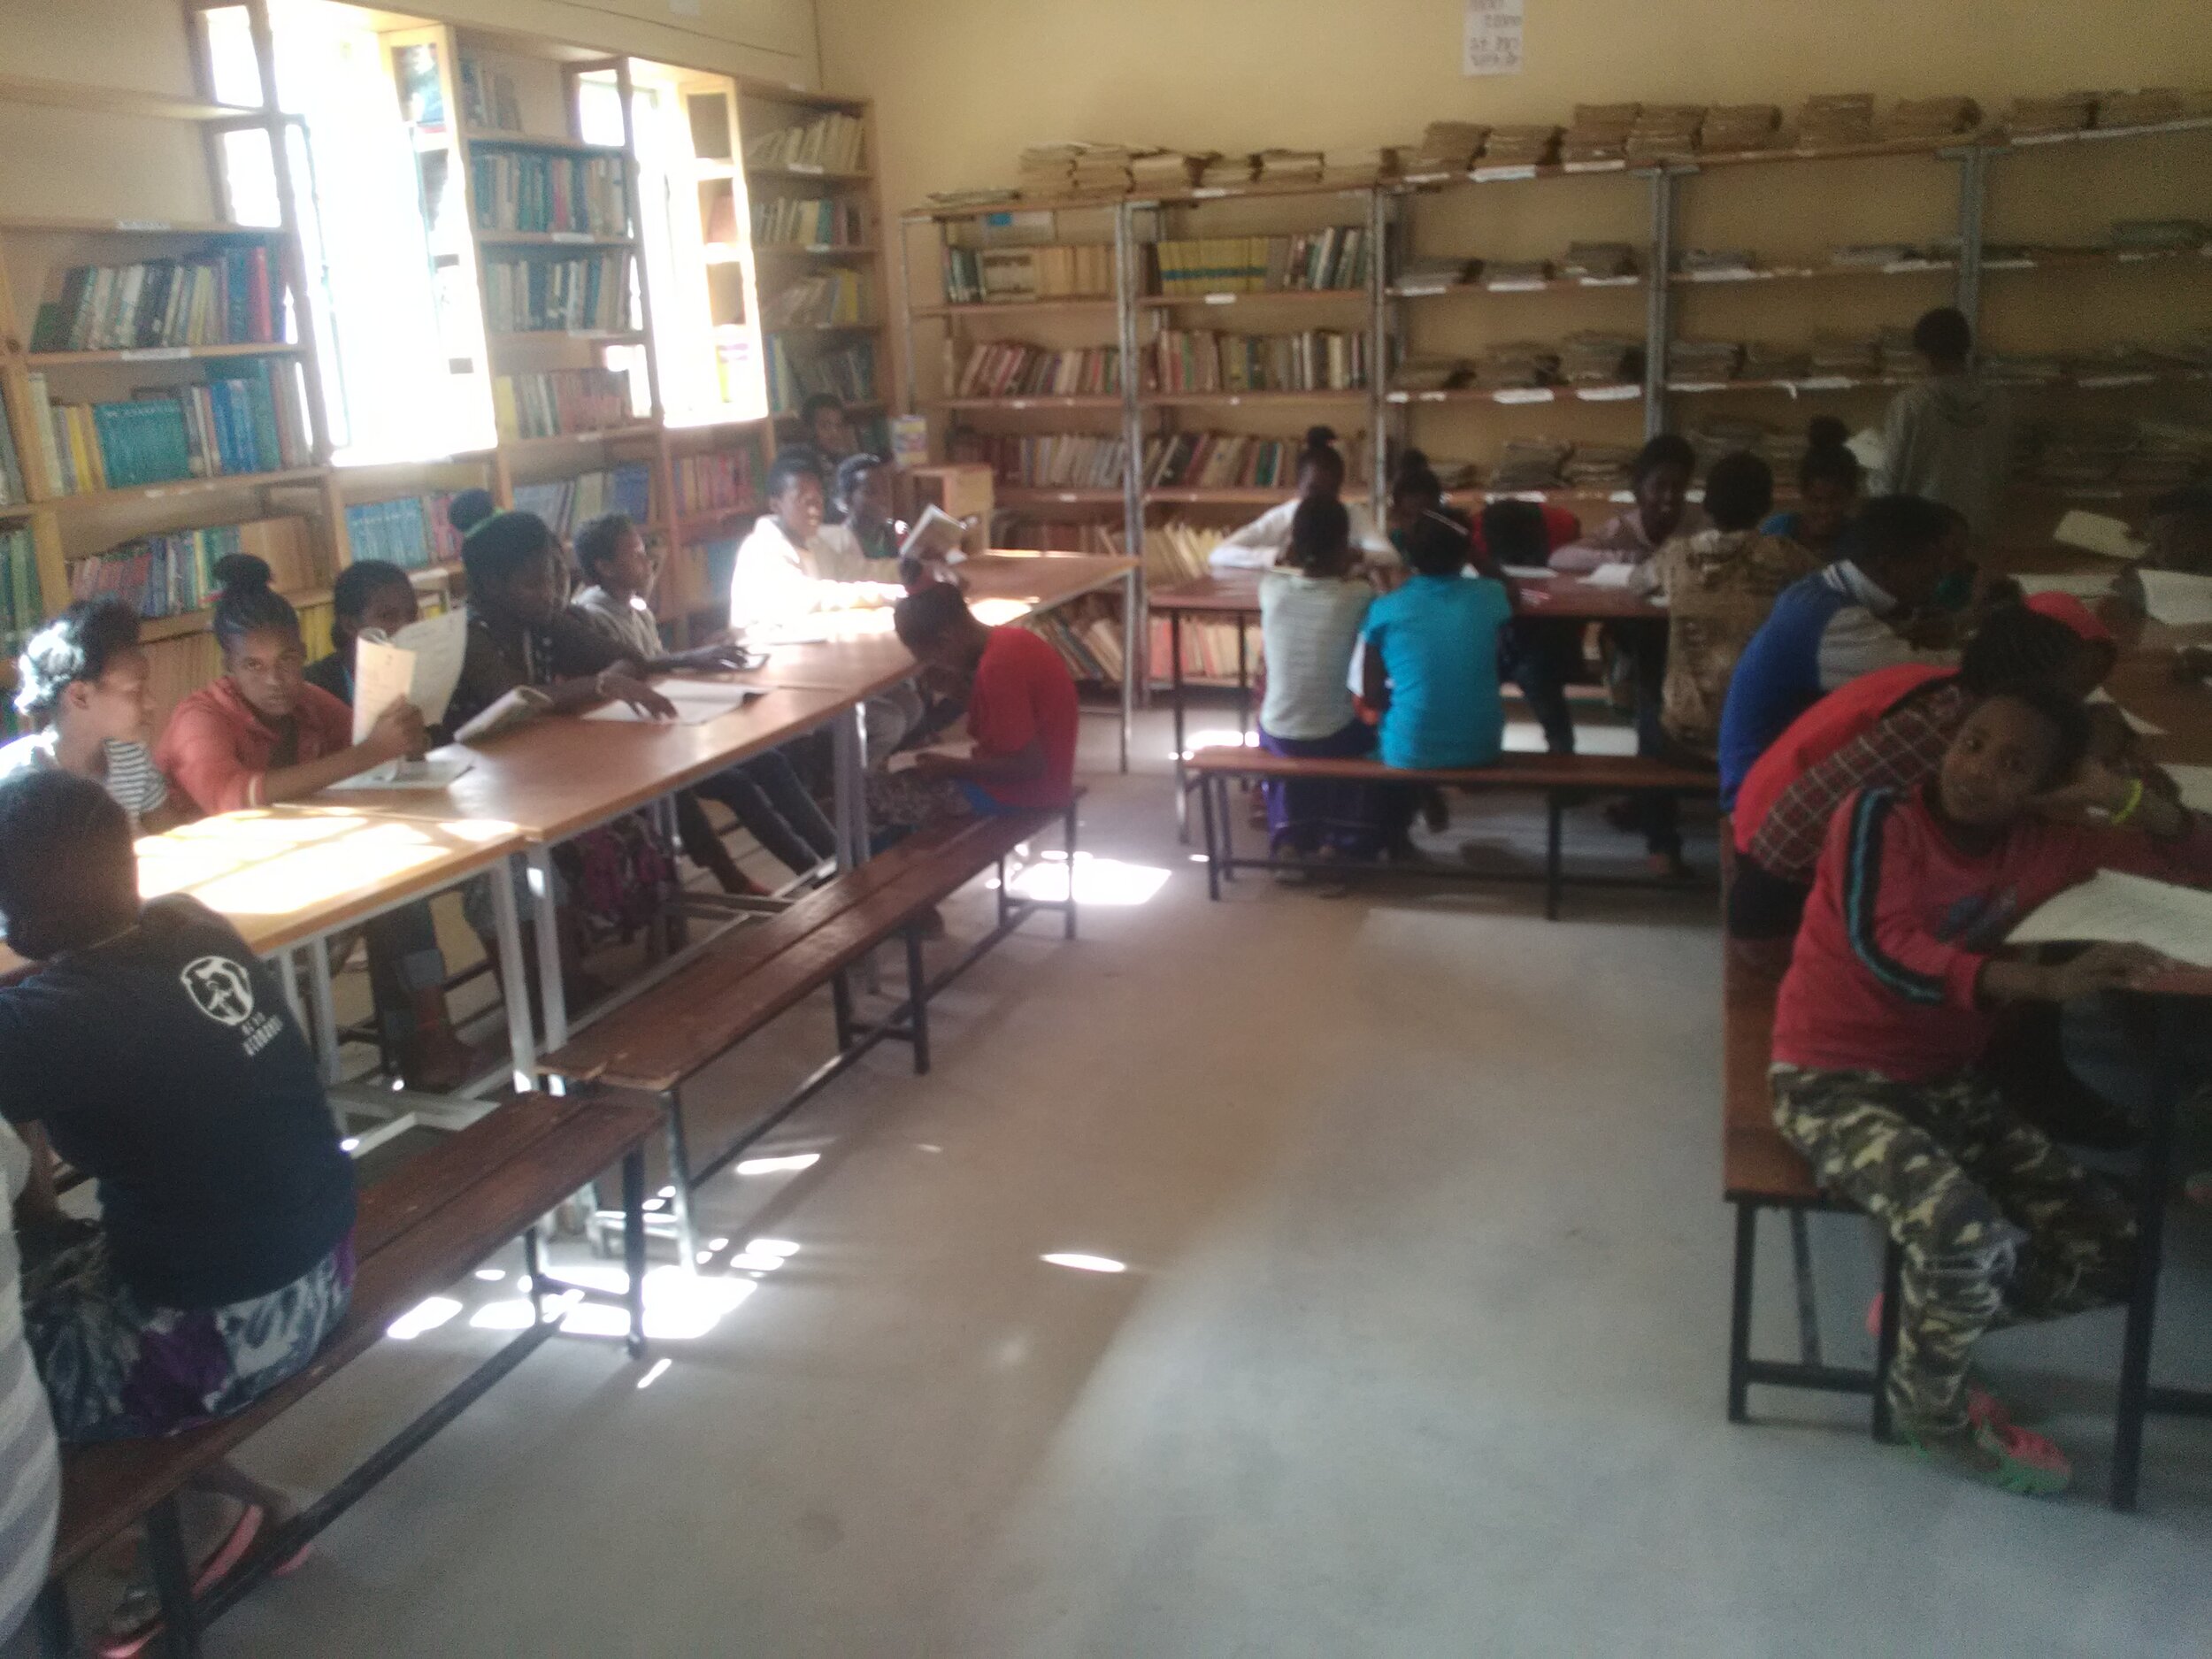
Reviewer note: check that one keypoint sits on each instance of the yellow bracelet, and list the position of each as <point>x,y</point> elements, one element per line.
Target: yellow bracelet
<point>2135,799</point>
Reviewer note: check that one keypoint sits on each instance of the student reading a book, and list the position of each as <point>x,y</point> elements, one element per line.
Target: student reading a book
<point>1431,668</point>
<point>82,680</point>
<point>1022,716</point>
<point>1948,438</point>
<point>1312,609</point>
<point>157,1053</point>
<point>1828,482</point>
<point>1889,730</point>
<point>1259,545</point>
<point>368,594</point>
<point>763,792</point>
<point>1900,973</point>
<point>1860,613</point>
<point>261,735</point>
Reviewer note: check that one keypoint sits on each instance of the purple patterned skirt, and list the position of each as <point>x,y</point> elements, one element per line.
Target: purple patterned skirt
<point>1306,814</point>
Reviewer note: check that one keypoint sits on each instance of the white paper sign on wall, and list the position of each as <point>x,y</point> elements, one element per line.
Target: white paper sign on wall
<point>1492,45</point>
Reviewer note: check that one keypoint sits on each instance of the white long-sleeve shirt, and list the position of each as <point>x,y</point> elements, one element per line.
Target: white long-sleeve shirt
<point>1259,545</point>
<point>778,585</point>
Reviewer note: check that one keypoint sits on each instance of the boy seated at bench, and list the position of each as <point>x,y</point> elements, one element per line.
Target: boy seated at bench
<point>1021,713</point>
<point>1890,1001</point>
<point>157,1053</point>
<point>1432,669</point>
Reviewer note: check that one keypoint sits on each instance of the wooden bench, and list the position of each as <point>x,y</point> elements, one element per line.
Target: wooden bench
<point>1556,776</point>
<point>656,1041</point>
<point>419,1229</point>
<point>1762,1171</point>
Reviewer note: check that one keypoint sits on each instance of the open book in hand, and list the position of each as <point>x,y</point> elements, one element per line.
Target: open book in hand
<point>2114,908</point>
<point>519,707</point>
<point>421,664</point>
<point>936,535</point>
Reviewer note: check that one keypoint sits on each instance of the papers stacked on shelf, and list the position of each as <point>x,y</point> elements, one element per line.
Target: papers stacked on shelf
<point>1598,466</point>
<point>1598,260</point>
<point>1703,362</point>
<point>1519,146</point>
<point>1716,264</point>
<point>1829,121</point>
<point>1432,273</point>
<point>1598,132</point>
<point>1665,129</point>
<point>1506,275</point>
<point>1732,127</point>
<point>1764,361</point>
<point>1835,352</point>
<point>1167,169</point>
<point>2061,112</point>
<point>2143,107</point>
<point>1590,357</point>
<point>1516,363</point>
<point>1276,167</point>
<point>1932,118</point>
<point>1446,147</point>
<point>1527,464</point>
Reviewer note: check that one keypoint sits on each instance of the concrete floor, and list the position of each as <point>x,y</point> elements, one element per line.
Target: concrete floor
<point>1419,1348</point>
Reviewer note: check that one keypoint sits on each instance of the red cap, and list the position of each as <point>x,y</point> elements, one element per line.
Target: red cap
<point>2071,610</point>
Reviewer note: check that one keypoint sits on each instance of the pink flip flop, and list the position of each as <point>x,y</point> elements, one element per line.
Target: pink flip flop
<point>212,1572</point>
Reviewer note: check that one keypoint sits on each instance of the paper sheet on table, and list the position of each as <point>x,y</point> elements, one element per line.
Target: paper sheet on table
<point>2082,587</point>
<point>2112,908</point>
<point>2196,786</point>
<point>1610,576</point>
<point>2137,724</point>
<point>2178,600</point>
<point>1528,573</point>
<point>2097,533</point>
<point>422,662</point>
<point>434,773</point>
<point>696,701</point>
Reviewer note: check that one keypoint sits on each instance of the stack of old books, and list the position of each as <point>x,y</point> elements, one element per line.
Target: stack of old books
<point>2060,113</point>
<point>1166,169</point>
<point>1446,148</point>
<point>1590,357</point>
<point>1520,146</point>
<point>1872,256</point>
<point>2022,368</point>
<point>1594,466</point>
<point>1434,273</point>
<point>1075,169</point>
<point>1515,364</point>
<point>1829,121</point>
<point>2144,107</point>
<point>1362,164</point>
<point>1047,169</point>
<point>1704,361</point>
<point>1103,170</point>
<point>1226,172</point>
<point>1736,127</point>
<point>1719,436</point>
<point>2160,235</point>
<point>2166,455</point>
<point>985,197</point>
<point>1506,275</point>
<point>1597,261</point>
<point>1715,265</point>
<point>1527,464</point>
<point>1281,166</point>
<point>1932,118</point>
<point>1429,374</point>
<point>1836,352</point>
<point>1763,360</point>
<point>1665,129</point>
<point>1599,133</point>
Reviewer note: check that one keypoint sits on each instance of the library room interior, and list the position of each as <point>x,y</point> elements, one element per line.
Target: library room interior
<point>837,829</point>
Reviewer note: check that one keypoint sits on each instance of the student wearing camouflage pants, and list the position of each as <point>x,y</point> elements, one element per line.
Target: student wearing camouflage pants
<point>1997,1225</point>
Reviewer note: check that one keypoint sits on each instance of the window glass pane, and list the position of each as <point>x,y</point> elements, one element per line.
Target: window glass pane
<point>237,72</point>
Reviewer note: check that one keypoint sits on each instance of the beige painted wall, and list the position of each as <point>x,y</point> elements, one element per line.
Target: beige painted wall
<point>962,85</point>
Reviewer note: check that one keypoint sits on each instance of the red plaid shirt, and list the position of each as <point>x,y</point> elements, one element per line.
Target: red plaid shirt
<point>1901,751</point>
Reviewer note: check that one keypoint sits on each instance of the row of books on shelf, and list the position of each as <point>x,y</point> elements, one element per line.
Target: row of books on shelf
<point>796,373</point>
<point>547,193</point>
<point>980,276</point>
<point>1200,360</point>
<point>567,502</point>
<point>808,222</point>
<point>830,142</point>
<point>489,103</point>
<point>1057,460</point>
<point>726,481</point>
<point>1187,460</point>
<point>1006,368</point>
<point>243,421</point>
<point>22,597</point>
<point>1087,637</point>
<point>821,299</point>
<point>687,584</point>
<point>212,299</point>
<point>13,488</point>
<point>535,295</point>
<point>1332,258</point>
<point>411,532</point>
<point>557,400</point>
<point>173,574</point>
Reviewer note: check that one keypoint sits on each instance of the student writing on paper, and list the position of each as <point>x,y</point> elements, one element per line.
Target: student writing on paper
<point>1828,628</point>
<point>1828,483</point>
<point>82,680</point>
<point>157,1053</point>
<point>1890,1001</point>
<point>763,792</point>
<point>1948,438</point>
<point>262,735</point>
<point>1259,545</point>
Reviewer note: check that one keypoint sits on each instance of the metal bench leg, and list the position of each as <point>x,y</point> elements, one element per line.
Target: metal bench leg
<point>680,1178</point>
<point>633,1246</point>
<point>50,1615</point>
<point>1223,809</point>
<point>917,1000</point>
<point>1005,902</point>
<point>1885,1347</point>
<point>1740,1310</point>
<point>842,1008</point>
<point>1213,853</point>
<point>1807,1305</point>
<point>533,1270</point>
<point>172,1580</point>
<point>1069,931</point>
<point>1552,869</point>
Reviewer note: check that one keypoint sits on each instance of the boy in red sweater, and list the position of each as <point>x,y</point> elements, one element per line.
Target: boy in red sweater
<point>1887,1006</point>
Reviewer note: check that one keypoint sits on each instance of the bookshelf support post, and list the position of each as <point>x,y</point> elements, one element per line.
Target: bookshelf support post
<point>1973,164</point>
<point>1659,299</point>
<point>1378,218</point>
<point>1126,286</point>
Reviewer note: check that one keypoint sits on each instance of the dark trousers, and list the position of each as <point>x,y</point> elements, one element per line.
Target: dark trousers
<point>1644,647</point>
<point>1541,656</point>
<point>775,809</point>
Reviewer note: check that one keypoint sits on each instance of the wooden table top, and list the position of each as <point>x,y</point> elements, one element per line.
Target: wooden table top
<point>1569,598</point>
<point>563,774</point>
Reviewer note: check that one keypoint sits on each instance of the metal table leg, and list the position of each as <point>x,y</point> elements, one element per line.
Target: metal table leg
<point>1175,706</point>
<point>507,932</point>
<point>848,748</point>
<point>538,864</point>
<point>1136,635</point>
<point>2155,1179</point>
<point>324,1006</point>
<point>1244,679</point>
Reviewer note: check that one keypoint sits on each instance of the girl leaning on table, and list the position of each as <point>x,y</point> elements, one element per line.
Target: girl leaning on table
<point>261,735</point>
<point>1259,545</point>
<point>223,1257</point>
